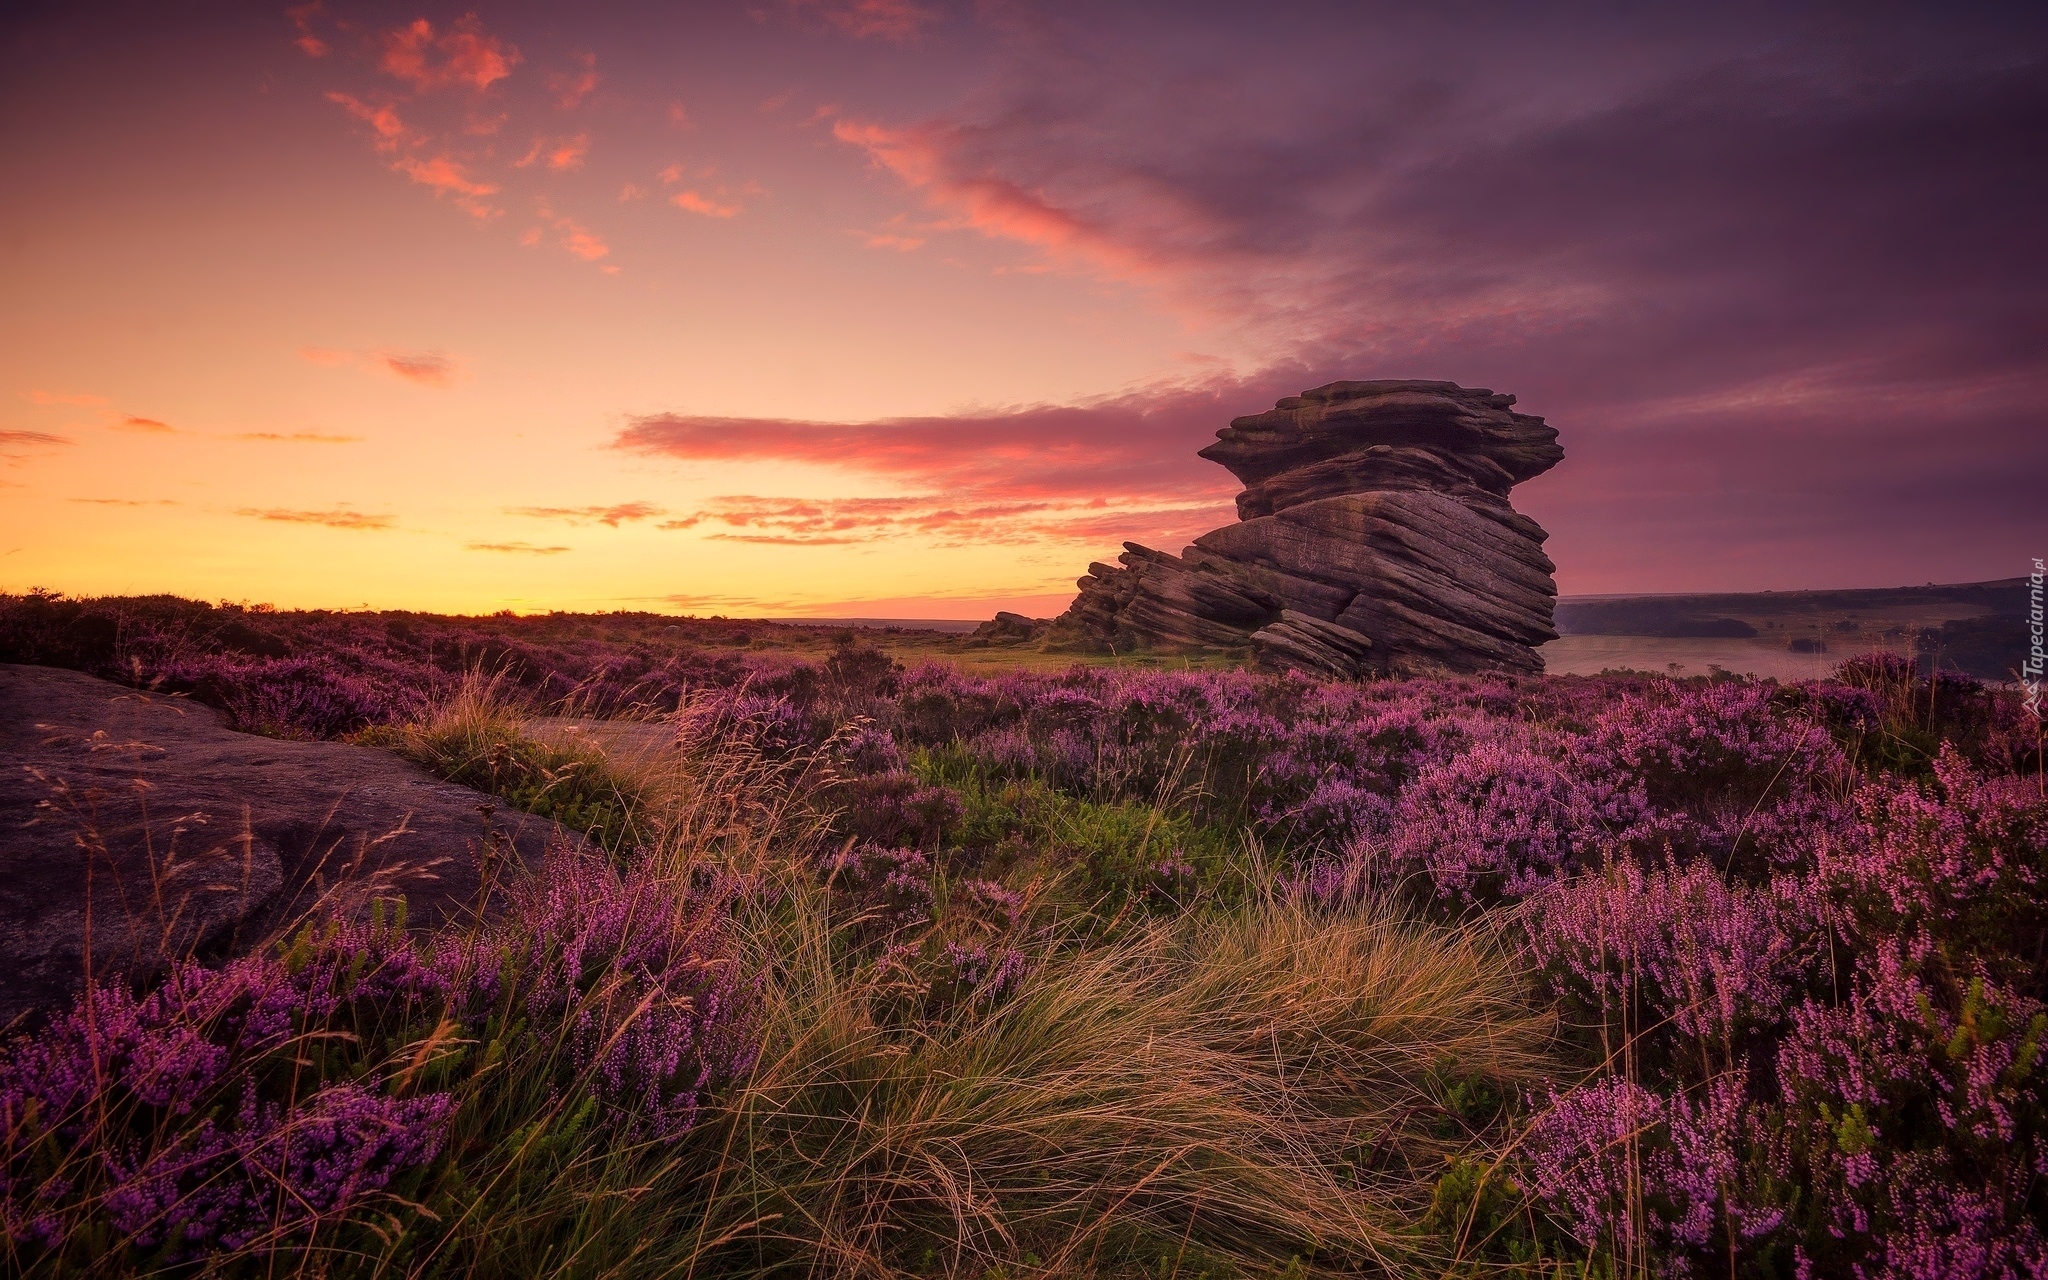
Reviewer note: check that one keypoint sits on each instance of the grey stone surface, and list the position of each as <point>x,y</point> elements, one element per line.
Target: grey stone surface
<point>136,828</point>
<point>1378,511</point>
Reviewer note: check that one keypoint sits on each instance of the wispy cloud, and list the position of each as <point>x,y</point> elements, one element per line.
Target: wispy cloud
<point>895,236</point>
<point>446,175</point>
<point>147,426</point>
<point>74,399</point>
<point>388,130</point>
<point>302,16</point>
<point>33,439</point>
<point>945,521</point>
<point>424,368</point>
<point>711,199</point>
<point>515,548</point>
<point>414,155</point>
<point>787,539</point>
<point>1091,474</point>
<point>724,604</point>
<point>556,153</point>
<point>612,516</point>
<point>296,437</point>
<point>582,242</point>
<point>127,502</point>
<point>697,202</point>
<point>572,87</point>
<point>1137,446</point>
<point>1033,598</point>
<point>461,55</point>
<point>894,20</point>
<point>336,518</point>
<point>931,159</point>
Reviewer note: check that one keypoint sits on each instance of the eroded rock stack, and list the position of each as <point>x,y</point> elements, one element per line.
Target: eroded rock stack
<point>1374,534</point>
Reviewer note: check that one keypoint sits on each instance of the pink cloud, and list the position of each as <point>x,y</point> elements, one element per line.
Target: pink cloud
<point>427,368</point>
<point>467,56</point>
<point>516,548</point>
<point>1094,474</point>
<point>1138,446</point>
<point>557,153</point>
<point>390,131</point>
<point>447,176</point>
<point>612,516</point>
<point>444,174</point>
<point>679,117</point>
<point>337,518</point>
<point>33,439</point>
<point>896,20</point>
<point>947,520</point>
<point>79,400</point>
<point>297,437</point>
<point>1031,601</point>
<point>148,426</point>
<point>928,159</point>
<point>572,87</point>
<point>890,240</point>
<point>302,16</point>
<point>582,241</point>
<point>786,540</point>
<point>696,202</point>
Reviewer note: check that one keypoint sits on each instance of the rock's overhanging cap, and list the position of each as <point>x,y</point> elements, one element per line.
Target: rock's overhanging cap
<point>1350,437</point>
<point>1375,534</point>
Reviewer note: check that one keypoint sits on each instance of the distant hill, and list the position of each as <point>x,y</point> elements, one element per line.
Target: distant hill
<point>1978,628</point>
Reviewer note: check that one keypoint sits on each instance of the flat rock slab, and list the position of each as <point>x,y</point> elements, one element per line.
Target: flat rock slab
<point>135,828</point>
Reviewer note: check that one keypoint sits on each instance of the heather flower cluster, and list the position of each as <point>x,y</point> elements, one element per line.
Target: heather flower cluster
<point>1828,1055</point>
<point>252,1105</point>
<point>185,1117</point>
<point>324,675</point>
<point>639,979</point>
<point>1807,977</point>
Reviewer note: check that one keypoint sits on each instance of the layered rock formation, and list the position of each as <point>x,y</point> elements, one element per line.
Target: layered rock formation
<point>1374,534</point>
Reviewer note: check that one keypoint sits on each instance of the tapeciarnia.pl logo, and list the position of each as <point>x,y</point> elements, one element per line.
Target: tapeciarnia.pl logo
<point>2030,670</point>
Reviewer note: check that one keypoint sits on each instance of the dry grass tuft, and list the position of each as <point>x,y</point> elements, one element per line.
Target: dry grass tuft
<point>1244,1089</point>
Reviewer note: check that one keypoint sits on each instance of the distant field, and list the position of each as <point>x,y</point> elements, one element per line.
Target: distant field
<point>1590,655</point>
<point>1974,627</point>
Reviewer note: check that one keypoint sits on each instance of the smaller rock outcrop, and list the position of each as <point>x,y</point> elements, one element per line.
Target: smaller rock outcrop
<point>1374,535</point>
<point>1009,626</point>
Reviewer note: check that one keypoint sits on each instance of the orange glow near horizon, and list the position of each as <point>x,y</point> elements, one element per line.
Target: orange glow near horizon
<point>873,308</point>
<point>408,308</point>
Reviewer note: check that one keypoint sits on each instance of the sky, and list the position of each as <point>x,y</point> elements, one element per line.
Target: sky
<point>913,308</point>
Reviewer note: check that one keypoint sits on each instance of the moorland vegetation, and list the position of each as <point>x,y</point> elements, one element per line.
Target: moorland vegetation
<point>888,970</point>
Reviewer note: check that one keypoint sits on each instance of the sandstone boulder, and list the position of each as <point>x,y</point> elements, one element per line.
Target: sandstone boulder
<point>1375,535</point>
<point>135,828</point>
